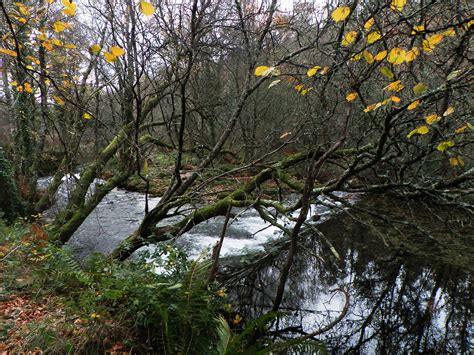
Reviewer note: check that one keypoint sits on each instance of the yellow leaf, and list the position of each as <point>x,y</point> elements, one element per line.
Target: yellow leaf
<point>47,45</point>
<point>352,96</point>
<point>448,111</point>
<point>433,118</point>
<point>449,32</point>
<point>419,88</point>
<point>398,5</point>
<point>445,145</point>
<point>109,57</point>
<point>70,46</point>
<point>356,56</point>
<point>22,8</point>
<point>368,25</point>
<point>42,36</point>
<point>311,72</point>
<point>324,71</point>
<point>147,8</point>
<point>8,52</point>
<point>413,105</point>
<point>395,99</point>
<point>380,56</point>
<point>19,88</point>
<point>299,87</point>
<point>387,72</point>
<point>418,29</point>
<point>117,51</point>
<point>27,87</point>
<point>340,13</point>
<point>305,91</point>
<point>369,58</point>
<point>57,42</point>
<point>87,116</point>
<point>456,161</point>
<point>69,12</point>
<point>14,83</point>
<point>396,56</point>
<point>60,26</point>
<point>349,38</point>
<point>420,130</point>
<point>461,129</point>
<point>369,108</point>
<point>412,54</point>
<point>58,100</point>
<point>95,49</point>
<point>373,37</point>
<point>259,71</point>
<point>396,86</point>
<point>430,43</point>
<point>33,59</point>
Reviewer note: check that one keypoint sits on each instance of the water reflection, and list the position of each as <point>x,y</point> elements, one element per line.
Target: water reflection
<point>410,289</point>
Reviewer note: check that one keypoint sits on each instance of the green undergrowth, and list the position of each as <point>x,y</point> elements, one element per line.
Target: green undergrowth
<point>93,308</point>
<point>161,303</point>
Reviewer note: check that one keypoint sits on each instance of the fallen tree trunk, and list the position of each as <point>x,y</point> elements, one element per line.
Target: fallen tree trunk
<point>148,233</point>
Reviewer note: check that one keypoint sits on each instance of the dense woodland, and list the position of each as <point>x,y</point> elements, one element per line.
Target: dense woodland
<point>221,105</point>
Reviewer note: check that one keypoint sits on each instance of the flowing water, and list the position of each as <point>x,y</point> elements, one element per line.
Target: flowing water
<point>409,279</point>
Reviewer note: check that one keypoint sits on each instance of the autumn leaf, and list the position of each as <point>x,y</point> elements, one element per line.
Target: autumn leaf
<point>117,51</point>
<point>448,111</point>
<point>420,88</point>
<point>413,105</point>
<point>260,70</point>
<point>369,23</point>
<point>387,73</point>
<point>352,96</point>
<point>445,145</point>
<point>369,58</point>
<point>449,32</point>
<point>380,56</point>
<point>299,87</point>
<point>95,49</point>
<point>431,119</point>
<point>396,56</point>
<point>109,57</point>
<point>70,8</point>
<point>8,52</point>
<point>420,130</point>
<point>398,5</point>
<point>395,99</point>
<point>284,135</point>
<point>417,29</point>
<point>87,116</point>
<point>27,87</point>
<point>396,86</point>
<point>311,72</point>
<point>461,129</point>
<point>60,26</point>
<point>430,43</point>
<point>456,161</point>
<point>70,46</point>
<point>340,13</point>
<point>58,100</point>
<point>147,8</point>
<point>412,54</point>
<point>373,37</point>
<point>349,38</point>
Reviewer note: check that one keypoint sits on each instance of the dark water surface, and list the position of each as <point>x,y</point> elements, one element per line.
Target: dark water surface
<point>410,281</point>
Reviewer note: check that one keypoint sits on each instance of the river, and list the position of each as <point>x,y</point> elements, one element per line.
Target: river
<point>407,268</point>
